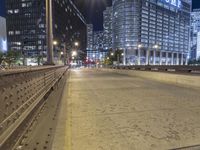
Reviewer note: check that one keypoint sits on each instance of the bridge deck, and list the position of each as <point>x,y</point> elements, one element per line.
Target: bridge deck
<point>108,111</point>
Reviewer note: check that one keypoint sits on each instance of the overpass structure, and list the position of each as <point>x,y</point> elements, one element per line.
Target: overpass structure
<point>100,109</point>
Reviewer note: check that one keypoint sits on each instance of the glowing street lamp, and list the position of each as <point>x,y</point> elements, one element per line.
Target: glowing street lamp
<point>76,43</point>
<point>138,58</point>
<point>74,53</point>
<point>155,46</point>
<point>140,46</point>
<point>55,43</point>
<point>112,54</point>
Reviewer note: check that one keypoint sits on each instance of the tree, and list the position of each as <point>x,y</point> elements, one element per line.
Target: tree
<point>1,57</point>
<point>11,57</point>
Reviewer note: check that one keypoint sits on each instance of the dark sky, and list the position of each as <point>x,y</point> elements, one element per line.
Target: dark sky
<point>2,9</point>
<point>93,11</point>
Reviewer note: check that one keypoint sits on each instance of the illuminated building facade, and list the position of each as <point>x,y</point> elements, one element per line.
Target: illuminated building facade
<point>107,28</point>
<point>152,31</point>
<point>26,27</point>
<point>98,40</point>
<point>195,32</point>
<point>89,36</point>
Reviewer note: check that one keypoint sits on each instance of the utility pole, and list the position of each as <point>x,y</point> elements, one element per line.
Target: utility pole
<point>49,32</point>
<point>65,53</point>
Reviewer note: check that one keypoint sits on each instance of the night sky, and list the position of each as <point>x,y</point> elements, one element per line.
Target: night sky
<point>2,8</point>
<point>93,10</point>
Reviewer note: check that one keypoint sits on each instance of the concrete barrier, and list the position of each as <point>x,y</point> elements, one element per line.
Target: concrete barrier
<point>171,78</point>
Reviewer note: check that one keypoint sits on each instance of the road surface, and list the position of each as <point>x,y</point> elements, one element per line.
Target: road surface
<point>109,111</point>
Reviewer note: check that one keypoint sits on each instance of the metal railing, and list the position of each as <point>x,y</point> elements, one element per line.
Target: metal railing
<point>19,98</point>
<point>180,69</point>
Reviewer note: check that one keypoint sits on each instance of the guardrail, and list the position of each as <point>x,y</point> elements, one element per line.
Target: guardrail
<point>182,69</point>
<point>20,98</point>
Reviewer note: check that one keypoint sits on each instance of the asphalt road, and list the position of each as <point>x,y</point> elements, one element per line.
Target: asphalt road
<point>109,111</point>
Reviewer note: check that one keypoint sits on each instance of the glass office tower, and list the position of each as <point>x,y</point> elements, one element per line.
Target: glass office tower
<point>107,28</point>
<point>152,31</point>
<point>26,26</point>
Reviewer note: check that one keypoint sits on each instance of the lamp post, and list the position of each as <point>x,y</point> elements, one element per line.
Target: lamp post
<point>139,48</point>
<point>154,53</point>
<point>49,31</point>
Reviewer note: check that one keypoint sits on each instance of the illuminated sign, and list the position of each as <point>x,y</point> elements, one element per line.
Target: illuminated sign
<point>176,3</point>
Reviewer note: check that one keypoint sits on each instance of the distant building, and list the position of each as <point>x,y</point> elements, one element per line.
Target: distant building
<point>195,29</point>
<point>26,27</point>
<point>107,26</point>
<point>3,36</point>
<point>98,40</point>
<point>152,32</point>
<point>98,53</point>
<point>198,46</point>
<point>89,36</point>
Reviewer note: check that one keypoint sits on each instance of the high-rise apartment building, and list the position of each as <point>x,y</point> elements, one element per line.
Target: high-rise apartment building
<point>195,30</point>
<point>152,32</point>
<point>90,37</point>
<point>107,26</point>
<point>98,40</point>
<point>26,26</point>
<point>3,39</point>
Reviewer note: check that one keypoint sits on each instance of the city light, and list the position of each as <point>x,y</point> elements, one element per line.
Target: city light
<point>155,46</point>
<point>55,43</point>
<point>74,53</point>
<point>76,44</point>
<point>140,45</point>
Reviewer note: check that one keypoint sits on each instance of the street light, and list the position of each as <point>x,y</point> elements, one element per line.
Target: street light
<point>154,53</point>
<point>55,43</point>
<point>139,47</point>
<point>155,46</point>
<point>112,54</point>
<point>49,32</point>
<point>76,43</point>
<point>74,53</point>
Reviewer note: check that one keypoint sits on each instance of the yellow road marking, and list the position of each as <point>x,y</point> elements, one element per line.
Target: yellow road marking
<point>69,118</point>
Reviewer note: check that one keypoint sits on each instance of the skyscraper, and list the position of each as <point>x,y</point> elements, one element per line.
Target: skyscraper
<point>107,26</point>
<point>195,31</point>
<point>152,32</point>
<point>3,39</point>
<point>26,26</point>
<point>90,37</point>
<point>98,40</point>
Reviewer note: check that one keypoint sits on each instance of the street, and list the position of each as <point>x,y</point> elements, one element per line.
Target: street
<point>109,111</point>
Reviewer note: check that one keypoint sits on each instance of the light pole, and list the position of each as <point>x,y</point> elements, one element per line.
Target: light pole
<point>139,48</point>
<point>49,32</point>
<point>124,56</point>
<point>154,53</point>
<point>75,53</point>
